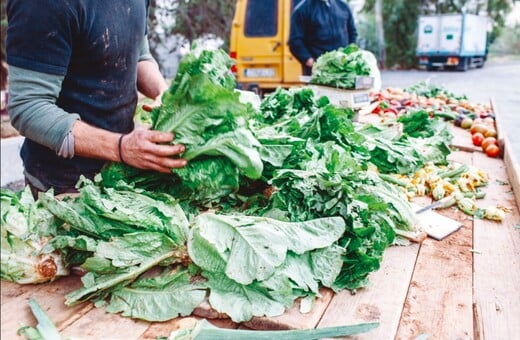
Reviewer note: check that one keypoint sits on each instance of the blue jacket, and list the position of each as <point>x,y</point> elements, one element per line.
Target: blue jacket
<point>318,27</point>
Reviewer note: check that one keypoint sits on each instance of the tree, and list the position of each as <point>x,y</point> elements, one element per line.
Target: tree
<point>174,24</point>
<point>197,18</point>
<point>192,19</point>
<point>400,24</point>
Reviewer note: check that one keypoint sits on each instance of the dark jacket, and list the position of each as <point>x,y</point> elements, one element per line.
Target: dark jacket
<point>317,28</point>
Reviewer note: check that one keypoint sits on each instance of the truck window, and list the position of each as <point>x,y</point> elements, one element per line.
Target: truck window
<point>261,18</point>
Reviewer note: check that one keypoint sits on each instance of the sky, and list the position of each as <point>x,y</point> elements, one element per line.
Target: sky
<point>514,16</point>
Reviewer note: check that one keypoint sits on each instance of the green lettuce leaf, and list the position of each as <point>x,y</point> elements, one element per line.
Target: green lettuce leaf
<point>254,247</point>
<point>243,302</point>
<point>158,299</point>
<point>122,260</point>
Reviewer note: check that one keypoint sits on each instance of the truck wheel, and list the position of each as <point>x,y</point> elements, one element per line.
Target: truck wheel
<point>463,65</point>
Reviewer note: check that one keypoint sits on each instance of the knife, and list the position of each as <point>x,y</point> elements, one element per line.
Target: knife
<point>434,205</point>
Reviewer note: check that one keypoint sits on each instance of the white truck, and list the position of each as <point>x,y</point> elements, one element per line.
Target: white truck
<point>457,41</point>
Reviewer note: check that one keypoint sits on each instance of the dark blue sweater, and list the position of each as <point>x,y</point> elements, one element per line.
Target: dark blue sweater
<point>317,28</point>
<point>95,46</point>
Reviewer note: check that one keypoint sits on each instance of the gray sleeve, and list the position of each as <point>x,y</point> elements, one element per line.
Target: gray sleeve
<point>145,53</point>
<point>32,107</point>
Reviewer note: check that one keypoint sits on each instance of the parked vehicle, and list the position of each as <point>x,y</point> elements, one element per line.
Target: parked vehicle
<point>258,43</point>
<point>457,41</point>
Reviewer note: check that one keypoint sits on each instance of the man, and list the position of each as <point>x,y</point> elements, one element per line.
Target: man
<point>74,70</point>
<point>319,26</point>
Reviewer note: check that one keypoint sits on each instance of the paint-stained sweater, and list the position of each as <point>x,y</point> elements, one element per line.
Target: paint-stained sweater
<point>87,53</point>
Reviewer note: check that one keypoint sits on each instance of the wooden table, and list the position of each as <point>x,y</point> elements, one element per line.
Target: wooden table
<point>466,286</point>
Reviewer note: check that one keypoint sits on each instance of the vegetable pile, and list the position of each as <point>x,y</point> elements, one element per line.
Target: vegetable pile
<point>26,227</point>
<point>479,119</point>
<point>339,68</point>
<point>276,202</point>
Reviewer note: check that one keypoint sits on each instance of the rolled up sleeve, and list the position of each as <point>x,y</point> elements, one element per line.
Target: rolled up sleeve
<point>32,107</point>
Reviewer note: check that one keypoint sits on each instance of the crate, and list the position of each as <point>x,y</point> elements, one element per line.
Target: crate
<point>355,99</point>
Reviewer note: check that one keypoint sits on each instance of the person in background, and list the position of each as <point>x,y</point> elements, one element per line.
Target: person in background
<point>75,69</point>
<point>319,26</point>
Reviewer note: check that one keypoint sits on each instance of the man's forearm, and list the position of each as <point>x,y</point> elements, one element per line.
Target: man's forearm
<point>93,142</point>
<point>150,81</point>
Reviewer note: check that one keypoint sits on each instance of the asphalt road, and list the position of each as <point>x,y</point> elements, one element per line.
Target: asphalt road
<point>498,81</point>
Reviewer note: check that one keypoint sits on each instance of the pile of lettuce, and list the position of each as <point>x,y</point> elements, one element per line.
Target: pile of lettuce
<point>144,258</point>
<point>277,202</point>
<point>339,68</point>
<point>407,144</point>
<point>25,228</point>
<point>429,90</point>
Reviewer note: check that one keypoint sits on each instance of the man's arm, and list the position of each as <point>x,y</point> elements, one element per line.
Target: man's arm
<point>143,149</point>
<point>32,107</point>
<point>150,81</point>
<point>296,39</point>
<point>34,113</point>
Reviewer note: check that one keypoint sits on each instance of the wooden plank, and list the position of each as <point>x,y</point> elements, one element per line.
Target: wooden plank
<point>11,290</point>
<point>462,140</point>
<point>439,301</point>
<point>98,324</point>
<point>497,260</point>
<point>498,123</point>
<point>50,296</point>
<point>512,169</point>
<point>293,318</point>
<point>382,301</point>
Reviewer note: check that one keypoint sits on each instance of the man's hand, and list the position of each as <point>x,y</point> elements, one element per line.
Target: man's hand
<point>309,62</point>
<point>147,149</point>
<point>141,148</point>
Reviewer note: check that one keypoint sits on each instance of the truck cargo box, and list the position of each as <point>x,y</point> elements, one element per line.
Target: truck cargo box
<point>456,41</point>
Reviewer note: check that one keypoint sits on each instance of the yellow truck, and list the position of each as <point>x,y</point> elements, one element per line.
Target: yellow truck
<point>258,43</point>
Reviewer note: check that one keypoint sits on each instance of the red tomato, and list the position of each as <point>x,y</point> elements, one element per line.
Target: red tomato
<point>493,150</point>
<point>487,142</point>
<point>477,138</point>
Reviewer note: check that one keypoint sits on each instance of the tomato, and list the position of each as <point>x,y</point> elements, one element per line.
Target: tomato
<point>487,142</point>
<point>491,132</point>
<point>478,127</point>
<point>492,150</point>
<point>477,138</point>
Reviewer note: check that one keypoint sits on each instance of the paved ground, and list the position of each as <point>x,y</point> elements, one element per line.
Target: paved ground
<point>498,80</point>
